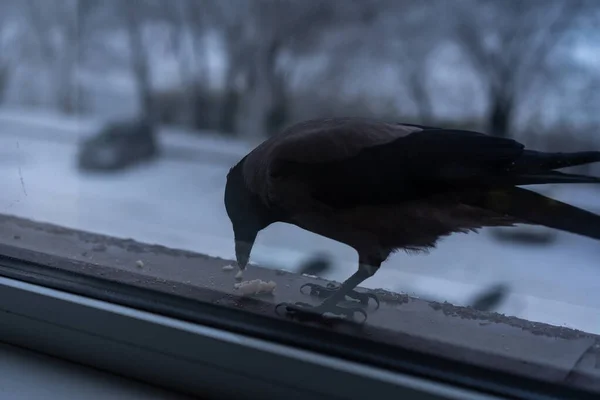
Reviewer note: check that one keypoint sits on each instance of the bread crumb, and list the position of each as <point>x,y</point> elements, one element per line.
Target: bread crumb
<point>239,276</point>
<point>228,268</point>
<point>256,286</point>
<point>139,264</point>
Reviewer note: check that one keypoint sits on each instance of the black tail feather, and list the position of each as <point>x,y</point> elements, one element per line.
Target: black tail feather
<point>535,161</point>
<point>553,177</point>
<point>533,208</point>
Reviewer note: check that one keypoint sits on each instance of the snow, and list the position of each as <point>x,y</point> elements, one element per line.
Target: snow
<point>178,202</point>
<point>46,125</point>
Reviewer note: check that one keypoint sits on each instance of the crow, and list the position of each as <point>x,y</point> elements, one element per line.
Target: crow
<point>383,187</point>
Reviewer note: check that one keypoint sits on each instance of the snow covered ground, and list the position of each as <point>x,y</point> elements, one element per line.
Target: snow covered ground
<point>177,201</point>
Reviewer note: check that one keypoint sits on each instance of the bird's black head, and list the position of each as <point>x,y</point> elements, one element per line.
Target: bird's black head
<point>247,212</point>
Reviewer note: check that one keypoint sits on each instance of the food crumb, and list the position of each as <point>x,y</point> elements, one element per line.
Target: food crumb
<point>240,275</point>
<point>256,286</point>
<point>228,268</point>
<point>139,264</point>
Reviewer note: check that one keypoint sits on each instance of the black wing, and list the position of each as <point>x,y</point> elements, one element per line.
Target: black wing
<point>426,163</point>
<point>417,165</point>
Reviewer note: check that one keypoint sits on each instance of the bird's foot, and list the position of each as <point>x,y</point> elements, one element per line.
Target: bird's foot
<point>307,312</point>
<point>324,292</point>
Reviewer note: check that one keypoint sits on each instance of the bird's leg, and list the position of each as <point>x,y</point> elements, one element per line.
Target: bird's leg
<point>330,305</point>
<point>325,292</point>
<point>371,254</point>
<point>367,264</point>
<point>348,286</point>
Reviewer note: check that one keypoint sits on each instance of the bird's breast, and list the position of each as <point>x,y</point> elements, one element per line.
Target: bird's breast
<point>417,224</point>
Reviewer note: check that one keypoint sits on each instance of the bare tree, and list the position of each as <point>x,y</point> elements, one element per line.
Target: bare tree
<point>4,79</point>
<point>8,42</point>
<point>55,28</point>
<point>258,36</point>
<point>135,16</point>
<point>12,40</point>
<point>139,57</point>
<point>410,32</point>
<point>190,23</point>
<point>61,33</point>
<point>510,45</point>
<point>403,34</point>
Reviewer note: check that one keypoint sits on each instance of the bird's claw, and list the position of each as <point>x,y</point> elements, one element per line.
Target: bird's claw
<point>324,292</point>
<point>320,291</point>
<point>305,311</point>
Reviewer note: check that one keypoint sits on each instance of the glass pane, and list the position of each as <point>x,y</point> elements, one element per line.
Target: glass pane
<point>125,118</point>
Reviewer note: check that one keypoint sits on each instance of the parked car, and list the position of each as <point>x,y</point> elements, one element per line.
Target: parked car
<point>117,146</point>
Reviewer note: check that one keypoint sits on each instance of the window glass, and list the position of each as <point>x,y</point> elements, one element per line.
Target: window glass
<point>125,118</point>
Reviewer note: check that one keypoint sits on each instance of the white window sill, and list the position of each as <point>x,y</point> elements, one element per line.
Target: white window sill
<point>210,354</point>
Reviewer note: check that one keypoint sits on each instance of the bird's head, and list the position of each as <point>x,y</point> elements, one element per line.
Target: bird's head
<point>247,214</point>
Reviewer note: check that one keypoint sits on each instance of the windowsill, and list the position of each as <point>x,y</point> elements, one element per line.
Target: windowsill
<point>30,375</point>
<point>541,351</point>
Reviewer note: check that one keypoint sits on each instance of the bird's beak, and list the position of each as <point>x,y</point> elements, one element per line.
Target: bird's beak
<point>243,248</point>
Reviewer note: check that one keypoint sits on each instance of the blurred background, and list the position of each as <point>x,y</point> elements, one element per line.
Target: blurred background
<point>122,117</point>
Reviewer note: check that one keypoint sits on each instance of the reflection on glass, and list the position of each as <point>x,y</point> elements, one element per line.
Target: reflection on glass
<point>124,118</point>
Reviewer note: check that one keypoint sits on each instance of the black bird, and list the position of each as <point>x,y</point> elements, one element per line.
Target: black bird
<point>382,187</point>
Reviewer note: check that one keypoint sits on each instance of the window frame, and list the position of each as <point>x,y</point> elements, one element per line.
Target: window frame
<point>67,314</point>
<point>170,352</point>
